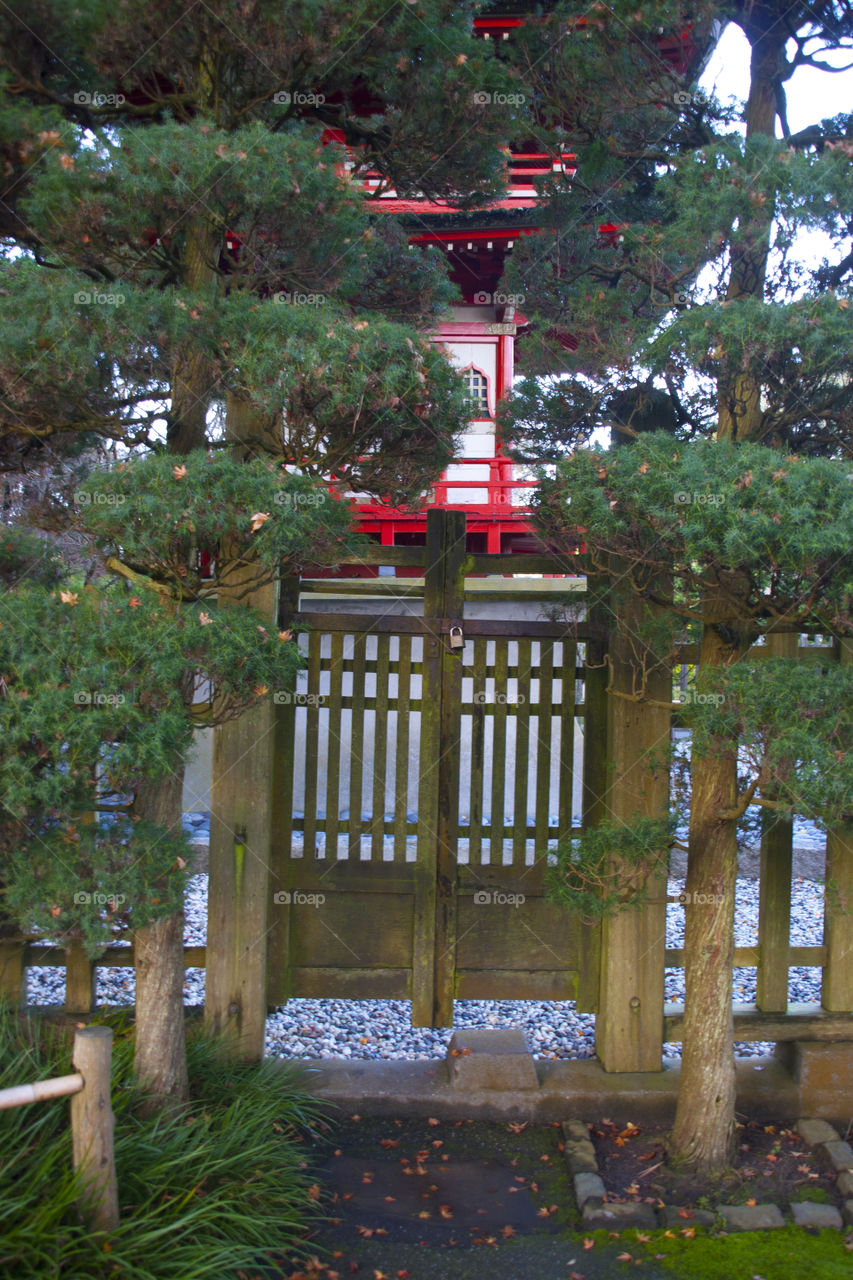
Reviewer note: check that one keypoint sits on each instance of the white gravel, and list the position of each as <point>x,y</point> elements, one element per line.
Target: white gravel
<point>380,1028</point>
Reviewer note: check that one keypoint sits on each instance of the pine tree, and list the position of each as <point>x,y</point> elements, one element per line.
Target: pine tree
<point>671,261</point>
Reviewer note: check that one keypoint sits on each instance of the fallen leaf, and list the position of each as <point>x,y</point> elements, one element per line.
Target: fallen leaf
<point>507,1232</point>
<point>688,1232</point>
<point>445,1211</point>
<point>516,1126</point>
<point>285,635</point>
<point>389,1142</point>
<point>624,1257</point>
<point>645,1239</point>
<point>258,519</point>
<point>69,597</point>
<point>433,1121</point>
<point>179,472</point>
<point>588,1242</point>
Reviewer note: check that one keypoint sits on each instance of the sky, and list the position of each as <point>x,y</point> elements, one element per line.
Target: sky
<point>812,95</point>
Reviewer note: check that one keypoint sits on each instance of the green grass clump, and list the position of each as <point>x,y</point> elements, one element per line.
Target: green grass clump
<point>201,1194</point>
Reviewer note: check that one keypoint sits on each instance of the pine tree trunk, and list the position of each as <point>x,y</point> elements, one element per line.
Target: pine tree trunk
<point>191,373</point>
<point>739,392</point>
<point>160,1057</point>
<point>703,1133</point>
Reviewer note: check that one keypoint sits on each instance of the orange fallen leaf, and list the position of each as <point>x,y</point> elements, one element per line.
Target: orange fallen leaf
<point>445,1211</point>
<point>259,519</point>
<point>433,1121</point>
<point>424,1213</point>
<point>688,1232</point>
<point>624,1257</point>
<point>507,1232</point>
<point>588,1242</point>
<point>179,472</point>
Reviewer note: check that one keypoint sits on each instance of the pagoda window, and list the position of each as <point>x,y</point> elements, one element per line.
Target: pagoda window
<point>477,386</point>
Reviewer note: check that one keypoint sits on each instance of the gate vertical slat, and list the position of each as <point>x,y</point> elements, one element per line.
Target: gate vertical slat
<point>543,747</point>
<point>380,748</point>
<point>567,736</point>
<point>401,777</point>
<point>496,843</point>
<point>478,751</point>
<point>312,736</point>
<point>333,751</point>
<point>356,774</point>
<point>522,746</point>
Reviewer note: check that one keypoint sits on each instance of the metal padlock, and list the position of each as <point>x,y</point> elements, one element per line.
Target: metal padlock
<point>457,640</point>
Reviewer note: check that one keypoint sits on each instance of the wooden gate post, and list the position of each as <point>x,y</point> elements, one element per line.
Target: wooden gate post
<point>434,938</point>
<point>629,1023</point>
<point>774,884</point>
<point>13,972</point>
<point>836,994</point>
<point>92,1125</point>
<point>594,784</point>
<point>283,748</point>
<point>241,819</point>
<point>79,980</point>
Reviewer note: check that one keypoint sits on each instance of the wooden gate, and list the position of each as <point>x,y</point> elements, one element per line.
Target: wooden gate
<point>420,786</point>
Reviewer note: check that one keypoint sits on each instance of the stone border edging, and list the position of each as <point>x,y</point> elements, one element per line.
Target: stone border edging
<point>596,1211</point>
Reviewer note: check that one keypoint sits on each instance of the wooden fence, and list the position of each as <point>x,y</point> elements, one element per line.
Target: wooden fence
<point>303,815</point>
<point>92,1121</point>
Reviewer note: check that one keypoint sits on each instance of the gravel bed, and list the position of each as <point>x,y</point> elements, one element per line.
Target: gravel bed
<point>380,1028</point>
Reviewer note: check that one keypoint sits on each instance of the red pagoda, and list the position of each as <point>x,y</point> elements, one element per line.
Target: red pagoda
<point>480,333</point>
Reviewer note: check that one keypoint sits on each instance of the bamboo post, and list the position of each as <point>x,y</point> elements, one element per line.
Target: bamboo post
<point>92,1125</point>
